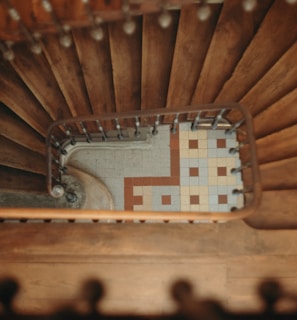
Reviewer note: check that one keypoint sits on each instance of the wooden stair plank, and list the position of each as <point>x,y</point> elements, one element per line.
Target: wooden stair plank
<point>189,55</point>
<point>14,180</point>
<point>277,211</point>
<point>66,68</point>
<point>277,175</point>
<point>278,116</point>
<point>97,71</point>
<point>16,156</point>
<point>233,32</point>
<point>126,65</point>
<point>274,37</point>
<point>13,128</point>
<point>277,146</point>
<point>15,95</point>
<point>268,90</point>
<point>32,70</point>
<point>157,55</point>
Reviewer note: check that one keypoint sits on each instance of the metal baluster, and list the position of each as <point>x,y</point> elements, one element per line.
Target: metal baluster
<point>238,169</point>
<point>88,136</point>
<point>241,191</point>
<point>101,130</point>
<point>175,123</point>
<point>234,127</point>
<point>61,168</point>
<point>196,121</point>
<point>58,145</point>
<point>236,149</point>
<point>68,132</point>
<point>137,124</point>
<point>157,122</point>
<point>118,128</point>
<point>217,119</point>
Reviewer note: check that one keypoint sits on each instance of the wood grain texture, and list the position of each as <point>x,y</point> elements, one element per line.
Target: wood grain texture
<point>31,70</point>
<point>66,68</point>
<point>157,54</point>
<point>278,116</point>
<point>15,129</point>
<point>277,210</point>
<point>277,146</point>
<point>126,66</point>
<point>263,52</point>
<point>14,180</point>
<point>192,42</point>
<point>277,175</point>
<point>233,32</point>
<point>15,95</point>
<point>18,157</point>
<point>96,67</point>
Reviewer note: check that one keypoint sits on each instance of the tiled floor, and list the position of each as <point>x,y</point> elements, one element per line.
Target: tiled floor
<point>187,171</point>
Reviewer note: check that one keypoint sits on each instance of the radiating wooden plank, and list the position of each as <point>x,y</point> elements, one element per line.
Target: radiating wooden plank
<point>192,42</point>
<point>233,32</point>
<point>96,67</point>
<point>36,73</point>
<point>277,210</point>
<point>273,38</point>
<point>281,114</point>
<point>13,128</point>
<point>126,66</point>
<point>277,175</point>
<point>18,98</point>
<point>276,83</point>
<point>277,146</point>
<point>66,68</point>
<point>13,180</point>
<point>16,156</point>
<point>157,54</point>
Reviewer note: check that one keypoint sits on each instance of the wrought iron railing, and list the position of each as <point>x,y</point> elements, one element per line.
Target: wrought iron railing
<point>65,133</point>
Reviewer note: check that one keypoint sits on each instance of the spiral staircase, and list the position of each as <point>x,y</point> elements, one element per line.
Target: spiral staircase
<point>233,56</point>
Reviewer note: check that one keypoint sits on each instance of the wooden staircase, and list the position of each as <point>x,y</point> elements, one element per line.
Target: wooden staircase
<point>234,56</point>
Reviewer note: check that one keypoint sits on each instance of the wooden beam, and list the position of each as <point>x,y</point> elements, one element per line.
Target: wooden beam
<point>278,116</point>
<point>15,95</point>
<point>189,55</point>
<point>274,37</point>
<point>157,53</point>
<point>13,180</point>
<point>13,128</point>
<point>17,156</point>
<point>66,68</point>
<point>277,146</point>
<point>36,73</point>
<point>97,71</point>
<point>277,211</point>
<point>233,32</point>
<point>126,66</point>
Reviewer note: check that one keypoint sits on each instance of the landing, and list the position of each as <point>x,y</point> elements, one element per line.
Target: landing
<point>186,171</point>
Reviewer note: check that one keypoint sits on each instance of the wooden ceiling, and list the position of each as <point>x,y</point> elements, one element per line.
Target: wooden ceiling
<point>234,56</point>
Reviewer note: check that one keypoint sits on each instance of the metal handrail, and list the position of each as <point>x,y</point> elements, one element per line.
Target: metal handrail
<point>251,202</point>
